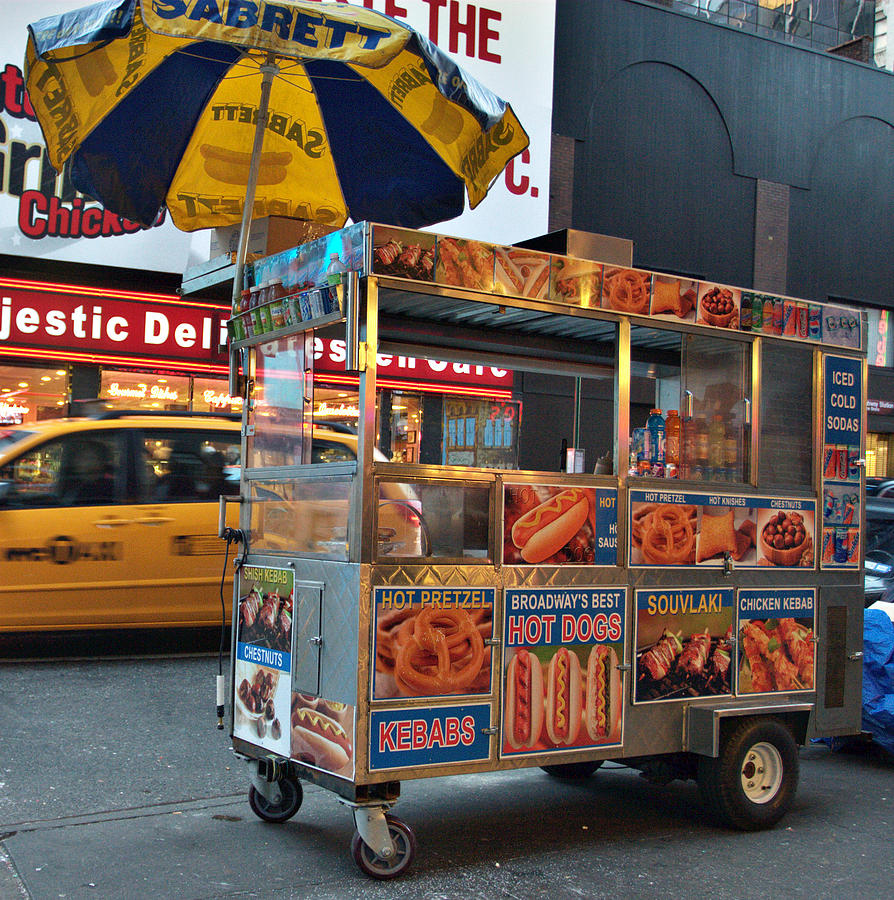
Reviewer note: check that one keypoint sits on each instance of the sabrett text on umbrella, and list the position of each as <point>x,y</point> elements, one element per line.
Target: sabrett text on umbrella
<point>484,147</point>
<point>318,32</point>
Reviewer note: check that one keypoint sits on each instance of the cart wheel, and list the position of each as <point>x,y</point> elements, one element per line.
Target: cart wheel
<point>379,867</point>
<point>573,770</point>
<point>292,795</point>
<point>752,784</point>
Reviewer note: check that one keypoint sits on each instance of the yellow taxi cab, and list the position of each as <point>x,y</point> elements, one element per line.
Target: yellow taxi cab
<point>112,521</point>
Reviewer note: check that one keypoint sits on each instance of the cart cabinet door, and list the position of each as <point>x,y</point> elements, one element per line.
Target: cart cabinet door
<point>839,667</point>
<point>306,637</point>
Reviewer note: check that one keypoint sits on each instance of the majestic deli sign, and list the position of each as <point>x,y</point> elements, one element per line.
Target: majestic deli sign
<point>93,322</point>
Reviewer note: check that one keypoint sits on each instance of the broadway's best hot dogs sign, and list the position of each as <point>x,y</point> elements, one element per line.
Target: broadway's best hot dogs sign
<point>562,687</point>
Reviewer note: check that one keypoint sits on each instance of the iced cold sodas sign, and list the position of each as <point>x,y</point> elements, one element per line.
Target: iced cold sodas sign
<point>842,441</point>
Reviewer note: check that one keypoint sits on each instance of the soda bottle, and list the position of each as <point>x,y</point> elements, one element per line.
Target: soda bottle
<point>687,448</point>
<point>655,426</point>
<point>716,437</point>
<point>672,437</point>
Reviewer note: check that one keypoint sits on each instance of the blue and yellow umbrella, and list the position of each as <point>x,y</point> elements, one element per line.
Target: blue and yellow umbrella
<point>224,110</point>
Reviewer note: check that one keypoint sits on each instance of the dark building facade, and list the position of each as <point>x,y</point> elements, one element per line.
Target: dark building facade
<point>727,155</point>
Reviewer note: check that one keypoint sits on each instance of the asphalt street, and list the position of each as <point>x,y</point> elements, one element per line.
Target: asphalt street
<point>115,783</point>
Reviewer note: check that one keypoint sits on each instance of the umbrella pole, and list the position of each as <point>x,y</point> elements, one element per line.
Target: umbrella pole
<point>269,70</point>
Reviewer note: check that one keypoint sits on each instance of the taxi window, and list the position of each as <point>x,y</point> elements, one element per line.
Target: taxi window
<point>83,469</point>
<point>323,451</point>
<point>181,465</point>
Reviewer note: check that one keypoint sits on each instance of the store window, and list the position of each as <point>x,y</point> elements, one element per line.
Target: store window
<point>211,395</point>
<point>142,390</point>
<point>31,394</point>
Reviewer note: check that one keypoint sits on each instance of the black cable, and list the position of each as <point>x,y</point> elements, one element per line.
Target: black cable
<point>230,536</point>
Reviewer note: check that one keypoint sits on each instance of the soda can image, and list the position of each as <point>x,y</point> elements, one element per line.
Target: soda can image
<point>830,462</point>
<point>778,315</point>
<point>769,305</point>
<point>828,545</point>
<point>841,545</point>
<point>828,504</point>
<point>757,313</point>
<point>789,318</point>
<point>853,546</point>
<point>848,508</point>
<point>853,470</point>
<point>842,463</point>
<point>803,321</point>
<point>814,322</point>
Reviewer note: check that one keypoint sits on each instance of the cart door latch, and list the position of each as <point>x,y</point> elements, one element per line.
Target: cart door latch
<point>316,640</point>
<point>491,729</point>
<point>491,642</point>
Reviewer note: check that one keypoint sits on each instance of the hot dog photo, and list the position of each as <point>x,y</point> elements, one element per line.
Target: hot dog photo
<point>561,698</point>
<point>562,687</point>
<point>322,734</point>
<point>549,525</point>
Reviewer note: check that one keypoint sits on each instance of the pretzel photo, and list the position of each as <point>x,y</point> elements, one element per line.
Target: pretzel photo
<point>433,651</point>
<point>668,537</point>
<point>626,290</point>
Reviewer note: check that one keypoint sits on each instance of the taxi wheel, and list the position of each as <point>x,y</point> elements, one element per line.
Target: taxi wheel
<point>378,866</point>
<point>752,783</point>
<point>292,795</point>
<point>573,770</point>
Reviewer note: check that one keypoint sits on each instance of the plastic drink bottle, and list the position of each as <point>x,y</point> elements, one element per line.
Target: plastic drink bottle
<point>655,427</point>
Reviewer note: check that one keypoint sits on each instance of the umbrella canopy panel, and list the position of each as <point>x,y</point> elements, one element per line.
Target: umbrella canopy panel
<point>370,123</point>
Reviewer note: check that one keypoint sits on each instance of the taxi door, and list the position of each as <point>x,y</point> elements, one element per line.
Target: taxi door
<point>180,559</point>
<point>67,535</point>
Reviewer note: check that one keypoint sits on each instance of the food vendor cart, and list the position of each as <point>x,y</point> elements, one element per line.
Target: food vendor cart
<point>696,613</point>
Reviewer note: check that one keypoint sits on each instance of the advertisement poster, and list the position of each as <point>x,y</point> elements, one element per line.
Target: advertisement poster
<point>561,682</point>
<point>683,643</point>
<point>551,525</point>
<point>507,45</point>
<point>842,440</point>
<point>429,736</point>
<point>777,642</point>
<point>322,734</point>
<point>695,530</point>
<point>432,641</point>
<point>263,666</point>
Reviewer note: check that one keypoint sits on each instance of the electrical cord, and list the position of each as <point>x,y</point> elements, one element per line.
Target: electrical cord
<point>232,536</point>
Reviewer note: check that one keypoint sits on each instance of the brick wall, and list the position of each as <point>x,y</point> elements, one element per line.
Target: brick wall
<point>771,218</point>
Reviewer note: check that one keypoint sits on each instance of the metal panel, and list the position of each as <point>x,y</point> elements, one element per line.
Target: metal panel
<point>306,637</point>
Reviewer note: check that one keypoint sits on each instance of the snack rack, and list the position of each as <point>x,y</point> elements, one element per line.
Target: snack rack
<point>396,621</point>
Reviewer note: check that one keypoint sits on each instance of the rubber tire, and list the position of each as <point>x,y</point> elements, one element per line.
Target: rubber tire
<point>573,771</point>
<point>374,866</point>
<point>720,780</point>
<point>292,796</point>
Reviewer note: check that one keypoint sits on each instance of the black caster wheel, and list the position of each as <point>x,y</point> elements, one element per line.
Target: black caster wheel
<point>378,866</point>
<point>292,795</point>
<point>573,770</point>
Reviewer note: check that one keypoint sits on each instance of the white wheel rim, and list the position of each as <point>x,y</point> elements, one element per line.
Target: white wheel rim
<point>761,774</point>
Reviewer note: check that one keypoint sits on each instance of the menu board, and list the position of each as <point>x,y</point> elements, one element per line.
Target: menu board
<point>682,529</point>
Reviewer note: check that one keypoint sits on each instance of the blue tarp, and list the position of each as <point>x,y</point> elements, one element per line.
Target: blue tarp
<point>878,677</point>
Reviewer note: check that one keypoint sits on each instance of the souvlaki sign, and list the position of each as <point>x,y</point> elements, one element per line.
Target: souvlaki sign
<point>103,325</point>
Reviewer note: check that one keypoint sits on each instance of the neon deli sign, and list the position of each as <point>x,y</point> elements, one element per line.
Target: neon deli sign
<point>329,356</point>
<point>96,323</point>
